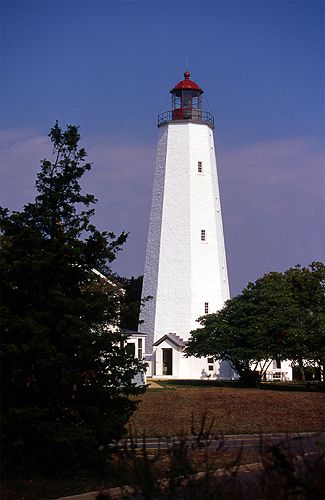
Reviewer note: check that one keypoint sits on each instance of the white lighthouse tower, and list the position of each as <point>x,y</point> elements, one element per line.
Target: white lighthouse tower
<point>185,267</point>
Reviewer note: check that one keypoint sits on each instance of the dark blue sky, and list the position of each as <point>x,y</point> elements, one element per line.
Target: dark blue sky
<point>108,66</point>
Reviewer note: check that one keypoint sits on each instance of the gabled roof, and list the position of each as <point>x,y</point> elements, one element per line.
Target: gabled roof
<point>173,338</point>
<point>112,281</point>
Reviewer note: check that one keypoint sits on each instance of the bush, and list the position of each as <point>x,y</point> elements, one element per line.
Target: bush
<point>59,441</point>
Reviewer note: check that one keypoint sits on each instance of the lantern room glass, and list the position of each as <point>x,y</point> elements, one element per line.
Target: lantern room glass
<point>186,99</point>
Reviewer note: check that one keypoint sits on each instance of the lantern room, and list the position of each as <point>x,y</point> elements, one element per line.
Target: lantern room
<point>186,99</point>
<point>186,104</point>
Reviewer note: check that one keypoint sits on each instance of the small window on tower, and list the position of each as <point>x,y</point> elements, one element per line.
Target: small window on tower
<point>199,167</point>
<point>210,368</point>
<point>210,360</point>
<point>206,307</point>
<point>203,235</point>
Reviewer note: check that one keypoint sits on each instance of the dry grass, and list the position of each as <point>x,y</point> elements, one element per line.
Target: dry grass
<point>168,412</point>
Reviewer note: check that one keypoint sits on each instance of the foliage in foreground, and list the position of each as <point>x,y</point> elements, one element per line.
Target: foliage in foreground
<point>66,376</point>
<point>131,302</point>
<point>202,466</point>
<point>191,469</point>
<point>281,316</point>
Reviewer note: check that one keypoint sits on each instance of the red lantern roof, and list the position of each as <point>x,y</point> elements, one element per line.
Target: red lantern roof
<point>187,84</point>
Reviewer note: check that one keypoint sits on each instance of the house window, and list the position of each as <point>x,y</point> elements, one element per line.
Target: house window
<point>276,364</point>
<point>203,235</point>
<point>139,348</point>
<point>130,348</point>
<point>206,307</point>
<point>199,167</point>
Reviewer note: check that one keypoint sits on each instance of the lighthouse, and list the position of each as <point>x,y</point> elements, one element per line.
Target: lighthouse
<point>185,273</point>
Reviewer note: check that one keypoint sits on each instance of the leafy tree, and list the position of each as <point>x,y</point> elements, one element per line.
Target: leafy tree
<point>305,339</point>
<point>280,316</point>
<point>131,302</point>
<point>66,376</point>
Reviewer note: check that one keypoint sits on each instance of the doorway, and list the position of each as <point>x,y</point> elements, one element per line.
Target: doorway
<point>167,361</point>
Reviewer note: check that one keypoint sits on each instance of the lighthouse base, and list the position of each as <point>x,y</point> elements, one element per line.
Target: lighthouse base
<point>169,361</point>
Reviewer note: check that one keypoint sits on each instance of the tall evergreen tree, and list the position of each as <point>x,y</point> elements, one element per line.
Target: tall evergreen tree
<point>131,303</point>
<point>66,376</point>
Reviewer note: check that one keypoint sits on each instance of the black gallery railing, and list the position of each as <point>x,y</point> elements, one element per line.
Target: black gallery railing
<point>193,115</point>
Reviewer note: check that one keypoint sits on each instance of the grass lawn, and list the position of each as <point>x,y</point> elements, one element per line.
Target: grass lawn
<point>167,411</point>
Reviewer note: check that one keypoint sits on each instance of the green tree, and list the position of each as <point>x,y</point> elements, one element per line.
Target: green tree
<point>131,302</point>
<point>305,338</point>
<point>66,376</point>
<point>280,316</point>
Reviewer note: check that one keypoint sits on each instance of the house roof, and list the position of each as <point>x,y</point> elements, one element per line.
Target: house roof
<point>172,337</point>
<point>112,281</point>
<point>132,332</point>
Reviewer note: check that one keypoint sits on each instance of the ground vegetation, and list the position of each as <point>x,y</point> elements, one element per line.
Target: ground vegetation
<point>200,465</point>
<point>235,410</point>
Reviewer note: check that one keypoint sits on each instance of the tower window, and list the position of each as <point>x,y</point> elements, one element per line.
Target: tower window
<point>206,307</point>
<point>203,235</point>
<point>199,167</point>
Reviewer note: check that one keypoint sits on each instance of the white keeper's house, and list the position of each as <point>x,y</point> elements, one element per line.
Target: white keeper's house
<point>185,268</point>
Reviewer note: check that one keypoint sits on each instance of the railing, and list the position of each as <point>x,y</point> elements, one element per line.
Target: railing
<point>192,115</point>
